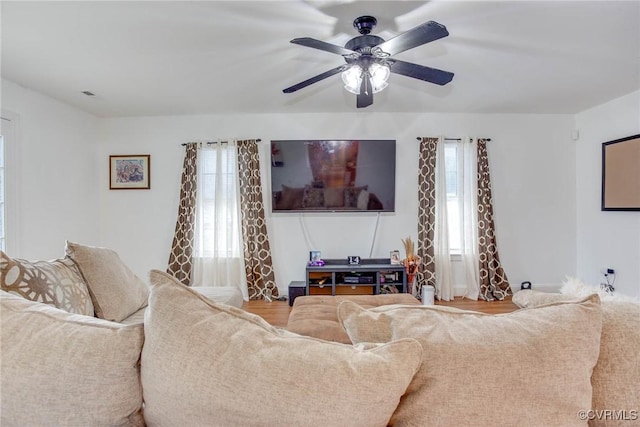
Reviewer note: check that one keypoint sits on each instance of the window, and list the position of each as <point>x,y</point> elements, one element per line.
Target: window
<point>217,223</point>
<point>218,255</point>
<point>452,160</point>
<point>8,205</point>
<point>2,198</point>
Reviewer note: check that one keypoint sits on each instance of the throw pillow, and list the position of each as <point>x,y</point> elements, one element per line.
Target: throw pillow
<point>115,290</point>
<point>291,198</point>
<point>334,197</point>
<point>210,364</point>
<point>57,282</point>
<point>312,197</point>
<point>351,196</point>
<point>363,200</point>
<point>532,366</point>
<point>63,369</point>
<point>616,376</point>
<point>528,298</point>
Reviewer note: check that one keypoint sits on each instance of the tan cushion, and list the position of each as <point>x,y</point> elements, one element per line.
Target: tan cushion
<point>229,295</point>
<point>317,315</point>
<point>115,290</point>
<point>334,197</point>
<point>530,367</point>
<point>209,364</point>
<point>57,282</point>
<point>527,298</point>
<point>616,376</point>
<point>62,369</point>
<point>291,198</point>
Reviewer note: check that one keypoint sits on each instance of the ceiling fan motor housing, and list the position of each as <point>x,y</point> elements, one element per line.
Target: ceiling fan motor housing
<point>363,44</point>
<point>364,24</point>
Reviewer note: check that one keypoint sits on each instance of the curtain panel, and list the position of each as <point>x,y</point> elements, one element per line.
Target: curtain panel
<point>468,208</point>
<point>180,258</point>
<point>442,254</point>
<point>257,251</point>
<point>426,212</point>
<point>493,280</point>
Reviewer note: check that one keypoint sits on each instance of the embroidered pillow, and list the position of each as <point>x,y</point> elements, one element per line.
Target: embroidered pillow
<point>58,283</point>
<point>313,197</point>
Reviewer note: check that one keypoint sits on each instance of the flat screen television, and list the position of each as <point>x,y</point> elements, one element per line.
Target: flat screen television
<point>354,175</point>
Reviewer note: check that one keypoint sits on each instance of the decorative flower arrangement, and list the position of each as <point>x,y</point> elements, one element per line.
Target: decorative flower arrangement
<point>411,262</point>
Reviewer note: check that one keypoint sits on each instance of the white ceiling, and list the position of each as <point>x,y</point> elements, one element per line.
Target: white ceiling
<point>188,57</point>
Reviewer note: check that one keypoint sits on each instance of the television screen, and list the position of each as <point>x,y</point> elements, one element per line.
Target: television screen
<point>333,175</point>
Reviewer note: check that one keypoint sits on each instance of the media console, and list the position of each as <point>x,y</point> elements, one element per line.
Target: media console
<point>369,277</point>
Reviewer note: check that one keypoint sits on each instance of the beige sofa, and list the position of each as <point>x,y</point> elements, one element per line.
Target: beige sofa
<point>196,362</point>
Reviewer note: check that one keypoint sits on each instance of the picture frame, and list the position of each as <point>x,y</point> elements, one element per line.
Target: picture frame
<point>621,174</point>
<point>130,172</point>
<point>394,257</point>
<point>315,256</point>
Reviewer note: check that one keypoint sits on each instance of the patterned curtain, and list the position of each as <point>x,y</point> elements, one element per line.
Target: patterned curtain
<point>257,252</point>
<point>493,280</point>
<point>426,212</point>
<point>182,247</point>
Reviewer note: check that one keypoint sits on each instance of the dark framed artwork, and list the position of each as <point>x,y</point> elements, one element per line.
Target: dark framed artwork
<point>130,172</point>
<point>621,174</point>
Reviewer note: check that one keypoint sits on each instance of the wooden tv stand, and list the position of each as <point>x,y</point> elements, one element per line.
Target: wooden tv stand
<point>371,277</point>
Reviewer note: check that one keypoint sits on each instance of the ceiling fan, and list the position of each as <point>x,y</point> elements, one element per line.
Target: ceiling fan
<point>368,59</point>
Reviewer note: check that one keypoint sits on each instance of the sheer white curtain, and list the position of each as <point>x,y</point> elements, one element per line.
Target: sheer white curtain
<point>442,257</point>
<point>218,259</point>
<point>468,208</point>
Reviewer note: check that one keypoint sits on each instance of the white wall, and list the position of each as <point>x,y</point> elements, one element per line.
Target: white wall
<point>606,239</point>
<point>56,174</point>
<point>533,167</point>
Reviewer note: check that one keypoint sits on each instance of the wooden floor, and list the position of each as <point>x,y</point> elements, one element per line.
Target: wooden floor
<point>277,312</point>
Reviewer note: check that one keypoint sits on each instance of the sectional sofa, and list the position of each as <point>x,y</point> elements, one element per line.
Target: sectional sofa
<point>194,361</point>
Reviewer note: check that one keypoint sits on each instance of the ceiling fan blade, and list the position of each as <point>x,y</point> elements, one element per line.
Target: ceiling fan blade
<point>365,97</point>
<point>316,79</point>
<point>431,75</point>
<point>327,47</point>
<point>425,33</point>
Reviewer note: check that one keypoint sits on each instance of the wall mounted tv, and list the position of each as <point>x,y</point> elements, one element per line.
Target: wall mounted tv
<point>333,175</point>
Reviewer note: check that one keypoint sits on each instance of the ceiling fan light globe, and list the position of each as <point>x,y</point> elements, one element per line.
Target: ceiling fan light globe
<point>379,76</point>
<point>352,78</point>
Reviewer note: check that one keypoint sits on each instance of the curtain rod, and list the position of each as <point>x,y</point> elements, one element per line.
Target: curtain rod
<point>455,139</point>
<point>213,142</point>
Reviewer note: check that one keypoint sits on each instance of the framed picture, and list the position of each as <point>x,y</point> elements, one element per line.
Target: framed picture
<point>621,174</point>
<point>130,172</point>
<point>315,256</point>
<point>394,257</point>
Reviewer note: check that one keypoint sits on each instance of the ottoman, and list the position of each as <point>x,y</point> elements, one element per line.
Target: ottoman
<point>316,315</point>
